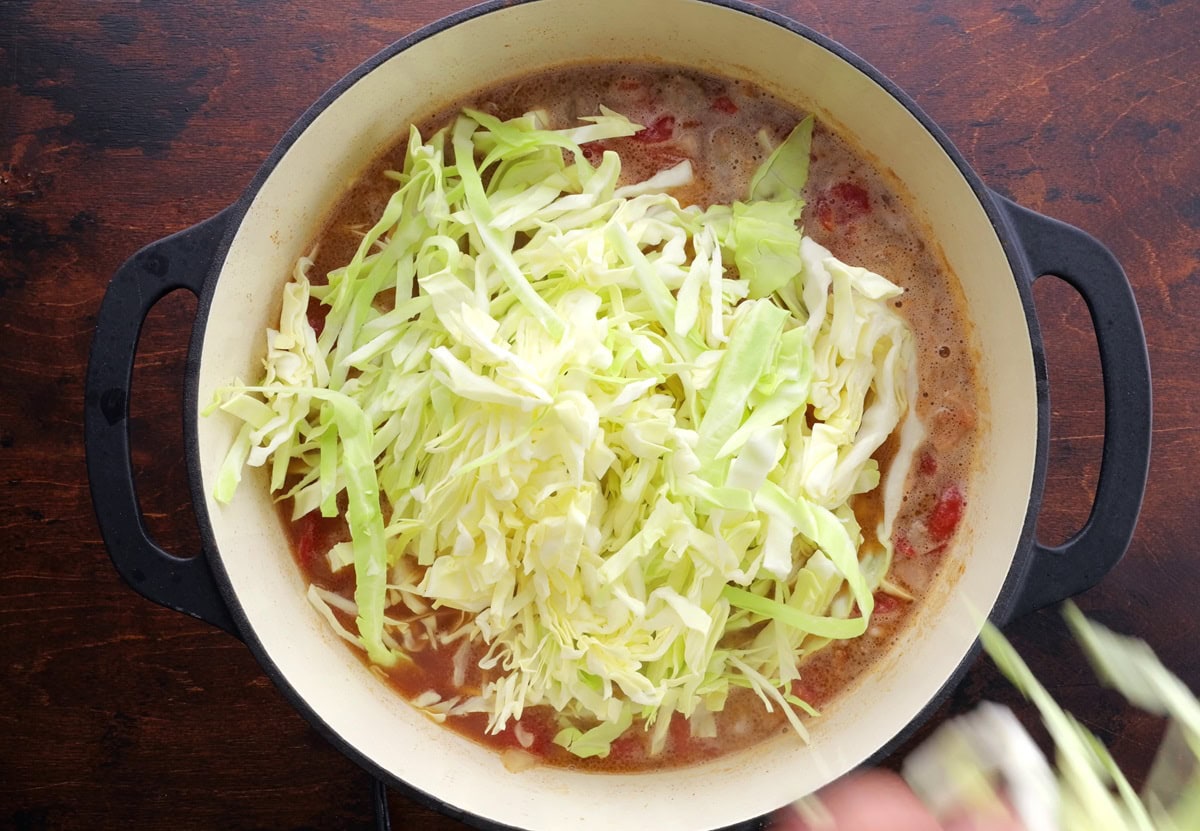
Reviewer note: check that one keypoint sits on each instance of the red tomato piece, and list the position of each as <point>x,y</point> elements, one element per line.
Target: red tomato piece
<point>854,198</point>
<point>659,130</point>
<point>626,748</point>
<point>538,727</point>
<point>313,536</point>
<point>946,514</point>
<point>927,465</point>
<point>724,104</point>
<point>903,547</point>
<point>316,315</point>
<point>885,603</point>
<point>306,540</point>
<point>812,688</point>
<point>680,732</point>
<point>841,204</point>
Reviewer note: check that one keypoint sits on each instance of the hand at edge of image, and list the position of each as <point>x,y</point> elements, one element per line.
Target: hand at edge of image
<point>983,771</point>
<point>878,800</point>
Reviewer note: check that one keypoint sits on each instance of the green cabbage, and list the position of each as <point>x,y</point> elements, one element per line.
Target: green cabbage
<point>589,429</point>
<point>978,760</point>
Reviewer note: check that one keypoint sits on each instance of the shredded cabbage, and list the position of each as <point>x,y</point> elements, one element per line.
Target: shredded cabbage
<point>977,761</point>
<point>589,429</point>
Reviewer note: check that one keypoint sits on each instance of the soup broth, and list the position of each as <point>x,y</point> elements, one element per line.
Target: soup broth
<point>725,128</point>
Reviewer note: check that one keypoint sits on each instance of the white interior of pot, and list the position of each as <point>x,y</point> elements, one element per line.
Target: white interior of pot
<point>283,220</point>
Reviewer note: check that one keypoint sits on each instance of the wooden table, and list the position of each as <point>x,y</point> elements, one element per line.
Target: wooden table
<point>122,122</point>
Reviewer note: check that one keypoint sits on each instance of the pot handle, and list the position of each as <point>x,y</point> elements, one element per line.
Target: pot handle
<point>182,260</point>
<point>379,805</point>
<point>1053,247</point>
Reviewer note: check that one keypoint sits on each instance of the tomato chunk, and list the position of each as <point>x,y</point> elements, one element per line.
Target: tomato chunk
<point>724,104</point>
<point>627,747</point>
<point>312,537</point>
<point>680,732</point>
<point>659,130</point>
<point>885,603</point>
<point>813,688</point>
<point>947,513</point>
<point>306,540</point>
<point>537,728</point>
<point>841,204</point>
<point>316,315</point>
<point>927,464</point>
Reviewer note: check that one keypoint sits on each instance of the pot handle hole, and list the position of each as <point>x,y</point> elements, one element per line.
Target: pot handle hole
<point>1055,248</point>
<point>180,261</point>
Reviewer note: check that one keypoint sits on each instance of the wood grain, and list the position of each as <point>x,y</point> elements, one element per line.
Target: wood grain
<point>122,122</point>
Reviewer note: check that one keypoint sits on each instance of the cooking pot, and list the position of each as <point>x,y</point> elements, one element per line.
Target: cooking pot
<point>246,582</point>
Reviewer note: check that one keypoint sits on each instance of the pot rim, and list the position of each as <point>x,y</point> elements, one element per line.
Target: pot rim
<point>1008,596</point>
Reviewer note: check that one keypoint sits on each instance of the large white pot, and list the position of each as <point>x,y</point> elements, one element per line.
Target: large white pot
<point>247,581</point>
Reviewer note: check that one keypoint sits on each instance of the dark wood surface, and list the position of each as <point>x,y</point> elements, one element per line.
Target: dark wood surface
<point>122,122</point>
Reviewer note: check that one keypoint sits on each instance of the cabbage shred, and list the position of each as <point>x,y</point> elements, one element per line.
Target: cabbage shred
<point>982,762</point>
<point>620,435</point>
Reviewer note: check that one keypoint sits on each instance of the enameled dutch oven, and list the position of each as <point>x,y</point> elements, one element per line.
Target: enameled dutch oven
<point>245,580</point>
